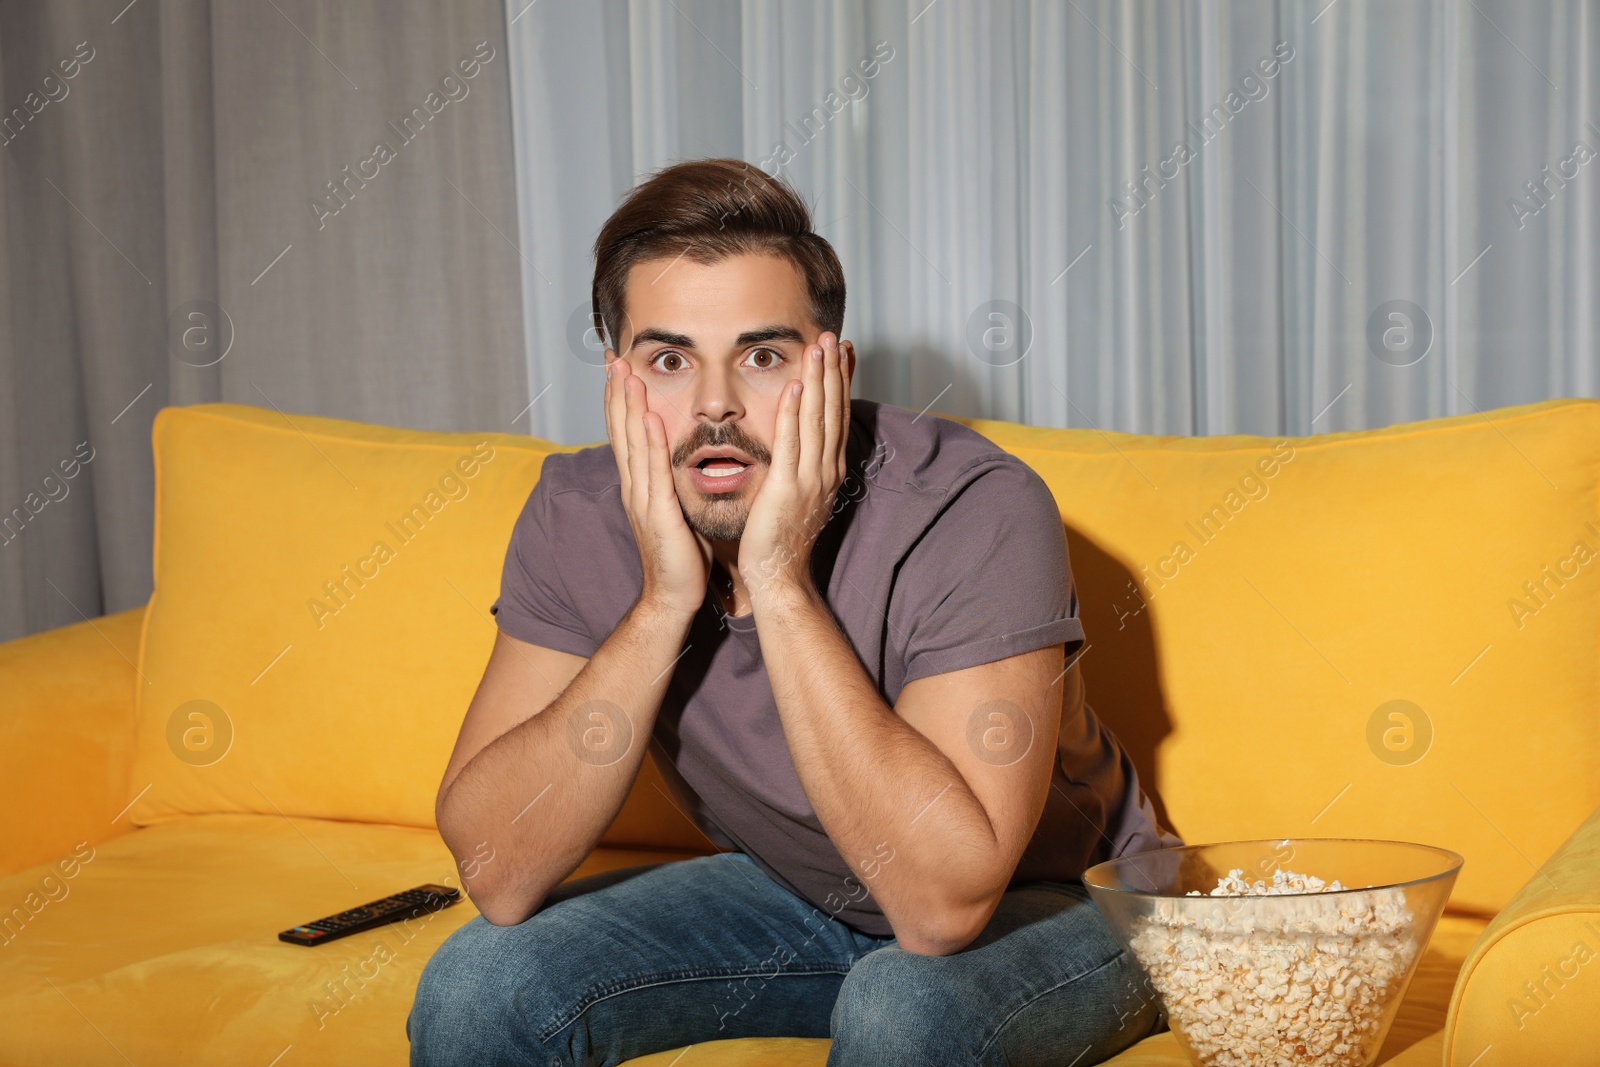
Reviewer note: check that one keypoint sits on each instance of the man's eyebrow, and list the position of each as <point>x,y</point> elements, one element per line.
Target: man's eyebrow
<point>775,332</point>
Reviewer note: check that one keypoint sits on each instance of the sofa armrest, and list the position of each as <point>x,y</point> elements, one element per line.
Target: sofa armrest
<point>1530,988</point>
<point>66,737</point>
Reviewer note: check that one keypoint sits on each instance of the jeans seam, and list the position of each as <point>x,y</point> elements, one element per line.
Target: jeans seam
<point>694,974</point>
<point>1043,993</point>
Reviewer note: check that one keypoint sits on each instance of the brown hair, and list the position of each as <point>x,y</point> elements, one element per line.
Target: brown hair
<point>707,210</point>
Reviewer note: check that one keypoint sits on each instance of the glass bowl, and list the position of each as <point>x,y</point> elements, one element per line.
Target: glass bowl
<point>1293,977</point>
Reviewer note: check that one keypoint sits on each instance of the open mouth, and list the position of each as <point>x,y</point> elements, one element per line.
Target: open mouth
<point>721,475</point>
<point>721,468</point>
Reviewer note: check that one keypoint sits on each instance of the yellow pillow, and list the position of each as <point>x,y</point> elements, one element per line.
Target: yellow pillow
<point>1343,635</point>
<point>321,616</point>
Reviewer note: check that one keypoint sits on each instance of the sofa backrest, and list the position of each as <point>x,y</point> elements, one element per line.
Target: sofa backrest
<point>1388,633</point>
<point>1384,634</point>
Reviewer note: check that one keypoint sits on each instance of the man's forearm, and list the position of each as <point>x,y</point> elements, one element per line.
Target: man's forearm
<point>538,798</point>
<point>844,741</point>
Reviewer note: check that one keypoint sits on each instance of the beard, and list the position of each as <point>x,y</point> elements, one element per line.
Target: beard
<point>718,516</point>
<point>719,519</point>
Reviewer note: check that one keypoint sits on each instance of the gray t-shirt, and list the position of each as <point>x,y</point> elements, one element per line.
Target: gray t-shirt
<point>944,551</point>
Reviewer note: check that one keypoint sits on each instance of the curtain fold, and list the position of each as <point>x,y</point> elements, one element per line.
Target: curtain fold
<point>1221,216</point>
<point>201,212</point>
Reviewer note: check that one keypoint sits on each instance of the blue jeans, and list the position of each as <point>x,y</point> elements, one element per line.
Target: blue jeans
<point>656,957</point>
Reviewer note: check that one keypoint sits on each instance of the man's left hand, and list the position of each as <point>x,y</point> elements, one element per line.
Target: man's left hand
<point>795,500</point>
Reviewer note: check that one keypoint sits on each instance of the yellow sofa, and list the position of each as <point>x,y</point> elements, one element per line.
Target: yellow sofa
<point>1388,634</point>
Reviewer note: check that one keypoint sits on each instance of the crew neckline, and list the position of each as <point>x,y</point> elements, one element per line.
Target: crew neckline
<point>742,623</point>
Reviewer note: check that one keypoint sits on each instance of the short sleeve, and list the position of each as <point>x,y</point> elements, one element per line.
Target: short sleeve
<point>534,605</point>
<point>989,578</point>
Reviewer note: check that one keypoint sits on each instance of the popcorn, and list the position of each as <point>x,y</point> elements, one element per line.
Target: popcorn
<point>1303,981</point>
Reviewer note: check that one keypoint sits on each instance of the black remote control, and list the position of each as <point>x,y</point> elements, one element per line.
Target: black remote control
<point>411,904</point>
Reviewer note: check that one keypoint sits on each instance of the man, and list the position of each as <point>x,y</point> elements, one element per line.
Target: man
<point>843,628</point>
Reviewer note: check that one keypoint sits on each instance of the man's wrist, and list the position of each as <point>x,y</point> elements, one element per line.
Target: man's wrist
<point>789,588</point>
<point>659,613</point>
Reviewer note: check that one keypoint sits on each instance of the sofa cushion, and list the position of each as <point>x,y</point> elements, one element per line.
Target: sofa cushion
<point>162,946</point>
<point>321,617</point>
<point>319,621</point>
<point>1344,635</point>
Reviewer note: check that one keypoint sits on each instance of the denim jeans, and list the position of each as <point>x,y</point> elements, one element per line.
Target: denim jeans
<point>659,956</point>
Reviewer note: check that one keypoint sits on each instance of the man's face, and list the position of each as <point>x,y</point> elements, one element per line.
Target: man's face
<point>714,346</point>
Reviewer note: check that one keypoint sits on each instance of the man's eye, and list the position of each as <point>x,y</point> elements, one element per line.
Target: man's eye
<point>775,359</point>
<point>663,356</point>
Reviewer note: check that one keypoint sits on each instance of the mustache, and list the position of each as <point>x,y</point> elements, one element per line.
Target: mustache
<point>752,448</point>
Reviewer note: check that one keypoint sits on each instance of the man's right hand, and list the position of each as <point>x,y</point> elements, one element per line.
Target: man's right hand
<point>676,558</point>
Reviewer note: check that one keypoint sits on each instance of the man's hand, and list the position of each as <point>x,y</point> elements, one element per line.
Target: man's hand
<point>795,500</point>
<point>675,558</point>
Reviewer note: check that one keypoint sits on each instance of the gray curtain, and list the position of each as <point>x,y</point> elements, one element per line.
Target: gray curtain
<point>170,236</point>
<point>1387,211</point>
